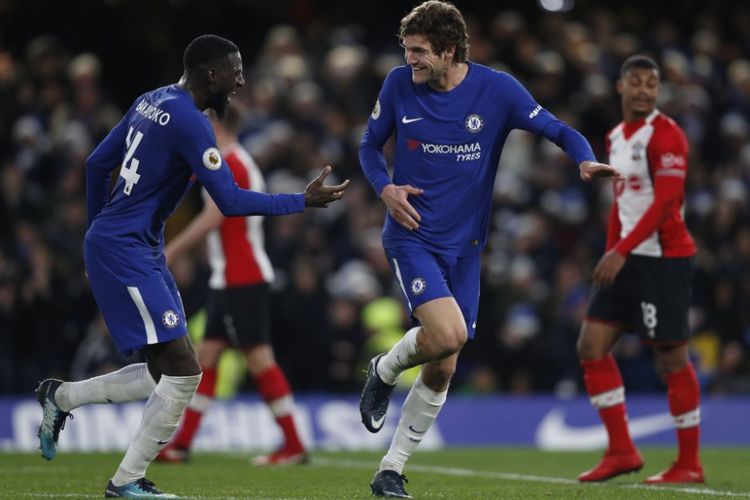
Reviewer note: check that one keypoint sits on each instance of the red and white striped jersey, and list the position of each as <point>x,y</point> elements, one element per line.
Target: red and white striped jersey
<point>647,214</point>
<point>236,250</point>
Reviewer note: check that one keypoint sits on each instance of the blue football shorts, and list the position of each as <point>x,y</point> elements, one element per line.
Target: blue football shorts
<point>136,294</point>
<point>425,276</point>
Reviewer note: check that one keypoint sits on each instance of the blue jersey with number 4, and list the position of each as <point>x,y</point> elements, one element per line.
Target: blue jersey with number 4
<point>449,145</point>
<point>162,143</point>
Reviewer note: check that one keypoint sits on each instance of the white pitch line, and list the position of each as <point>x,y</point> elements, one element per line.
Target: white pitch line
<point>454,471</point>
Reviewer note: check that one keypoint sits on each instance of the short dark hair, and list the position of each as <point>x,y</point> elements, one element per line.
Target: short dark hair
<point>442,24</point>
<point>638,61</point>
<point>205,50</point>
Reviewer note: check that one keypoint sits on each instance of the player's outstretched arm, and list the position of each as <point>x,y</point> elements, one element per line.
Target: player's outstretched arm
<point>318,195</point>
<point>591,169</point>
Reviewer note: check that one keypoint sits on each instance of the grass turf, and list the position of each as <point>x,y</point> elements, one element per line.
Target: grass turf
<point>449,474</point>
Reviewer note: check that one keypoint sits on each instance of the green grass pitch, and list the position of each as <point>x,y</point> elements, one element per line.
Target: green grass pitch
<point>450,474</point>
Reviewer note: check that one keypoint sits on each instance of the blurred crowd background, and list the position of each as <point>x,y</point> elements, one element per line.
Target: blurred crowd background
<point>68,70</point>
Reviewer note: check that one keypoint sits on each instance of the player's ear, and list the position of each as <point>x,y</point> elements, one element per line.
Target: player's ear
<point>211,114</point>
<point>620,85</point>
<point>450,52</point>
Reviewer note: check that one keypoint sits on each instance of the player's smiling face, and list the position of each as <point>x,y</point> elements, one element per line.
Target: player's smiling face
<point>227,78</point>
<point>426,65</point>
<point>639,88</point>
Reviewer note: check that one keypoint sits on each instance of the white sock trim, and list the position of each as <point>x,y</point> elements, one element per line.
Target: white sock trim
<point>401,357</point>
<point>282,406</point>
<point>430,396</point>
<point>609,398</point>
<point>689,419</point>
<point>129,383</point>
<point>417,416</point>
<point>180,389</point>
<point>160,418</point>
<point>200,402</point>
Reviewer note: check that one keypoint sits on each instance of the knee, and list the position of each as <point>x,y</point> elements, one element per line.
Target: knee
<point>589,348</point>
<point>189,360</point>
<point>585,349</point>
<point>185,364</point>
<point>450,340</point>
<point>259,359</point>
<point>670,361</point>
<point>195,368</point>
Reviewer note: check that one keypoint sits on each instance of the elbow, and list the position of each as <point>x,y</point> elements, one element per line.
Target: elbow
<point>668,205</point>
<point>363,150</point>
<point>367,148</point>
<point>225,201</point>
<point>227,209</point>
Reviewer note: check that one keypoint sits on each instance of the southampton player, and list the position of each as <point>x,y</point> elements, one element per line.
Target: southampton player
<point>642,283</point>
<point>238,305</point>
<point>162,143</point>
<point>450,118</point>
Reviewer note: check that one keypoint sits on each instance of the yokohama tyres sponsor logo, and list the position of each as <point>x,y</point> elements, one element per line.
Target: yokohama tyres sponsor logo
<point>447,149</point>
<point>463,152</point>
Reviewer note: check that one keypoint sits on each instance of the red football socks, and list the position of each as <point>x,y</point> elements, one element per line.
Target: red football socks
<point>604,386</point>
<point>684,399</point>
<point>274,388</point>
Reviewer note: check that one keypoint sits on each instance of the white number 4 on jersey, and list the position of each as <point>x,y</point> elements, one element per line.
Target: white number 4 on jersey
<point>129,172</point>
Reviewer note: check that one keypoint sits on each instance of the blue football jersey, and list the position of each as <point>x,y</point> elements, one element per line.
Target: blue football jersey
<point>163,143</point>
<point>449,145</point>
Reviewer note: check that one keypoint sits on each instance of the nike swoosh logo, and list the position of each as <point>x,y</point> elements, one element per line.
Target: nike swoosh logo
<point>554,434</point>
<point>163,442</point>
<point>377,423</point>
<point>406,120</point>
<point>416,431</point>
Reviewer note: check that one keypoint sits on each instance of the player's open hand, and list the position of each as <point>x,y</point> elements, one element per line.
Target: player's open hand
<point>318,195</point>
<point>396,198</point>
<point>591,169</point>
<point>608,268</point>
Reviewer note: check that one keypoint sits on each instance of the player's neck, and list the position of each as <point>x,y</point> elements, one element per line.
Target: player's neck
<point>632,116</point>
<point>449,80</point>
<point>199,97</point>
<point>224,142</point>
